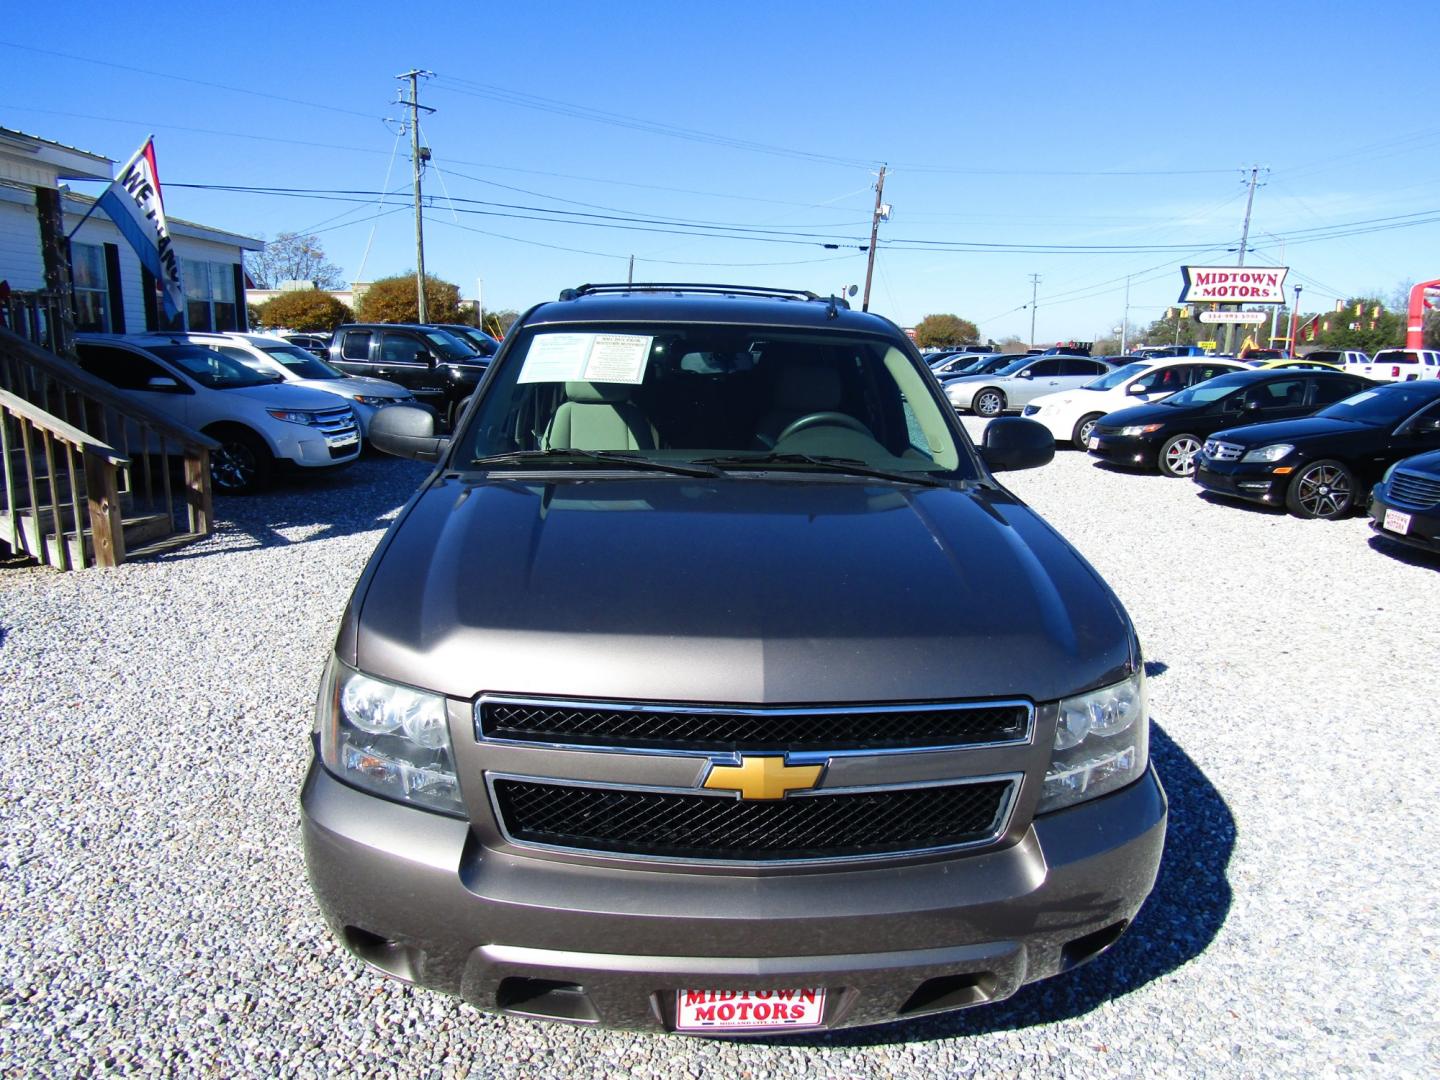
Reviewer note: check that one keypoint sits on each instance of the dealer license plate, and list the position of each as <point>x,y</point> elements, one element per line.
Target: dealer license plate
<point>1092,442</point>
<point>1396,521</point>
<point>747,1010</point>
<point>342,441</point>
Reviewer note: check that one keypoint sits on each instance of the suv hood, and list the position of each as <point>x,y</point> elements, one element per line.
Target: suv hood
<point>358,384</point>
<point>732,591</point>
<point>288,396</point>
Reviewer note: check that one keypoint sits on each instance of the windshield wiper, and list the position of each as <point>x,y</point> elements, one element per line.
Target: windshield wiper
<point>561,456</point>
<point>849,466</point>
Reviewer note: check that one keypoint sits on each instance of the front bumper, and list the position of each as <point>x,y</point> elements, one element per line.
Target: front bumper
<point>1059,422</point>
<point>1248,480</point>
<point>1423,527</point>
<point>1124,450</point>
<point>418,897</point>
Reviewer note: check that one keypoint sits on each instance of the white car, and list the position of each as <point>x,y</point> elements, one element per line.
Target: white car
<point>1020,382</point>
<point>260,422</point>
<point>1402,365</point>
<point>297,365</point>
<point>1071,414</point>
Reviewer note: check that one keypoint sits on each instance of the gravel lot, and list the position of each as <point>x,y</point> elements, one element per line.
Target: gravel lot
<point>156,916</point>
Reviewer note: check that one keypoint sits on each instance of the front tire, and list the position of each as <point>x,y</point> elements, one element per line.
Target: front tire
<point>1322,489</point>
<point>1081,435</point>
<point>989,402</point>
<point>243,464</point>
<point>1177,455</point>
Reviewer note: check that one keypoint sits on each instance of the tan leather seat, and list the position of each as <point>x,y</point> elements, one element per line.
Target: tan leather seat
<point>599,416</point>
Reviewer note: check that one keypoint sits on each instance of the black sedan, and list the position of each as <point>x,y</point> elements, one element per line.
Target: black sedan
<point>1168,434</point>
<point>1405,505</point>
<point>1315,466</point>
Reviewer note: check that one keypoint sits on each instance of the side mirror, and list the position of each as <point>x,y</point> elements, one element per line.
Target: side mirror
<point>1137,389</point>
<point>1026,374</point>
<point>163,384</point>
<point>1012,442</point>
<point>1251,404</point>
<point>407,432</point>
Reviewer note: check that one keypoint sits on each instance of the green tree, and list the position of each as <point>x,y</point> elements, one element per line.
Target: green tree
<point>1363,322</point>
<point>1432,329</point>
<point>497,323</point>
<point>945,331</point>
<point>393,300</point>
<point>303,309</point>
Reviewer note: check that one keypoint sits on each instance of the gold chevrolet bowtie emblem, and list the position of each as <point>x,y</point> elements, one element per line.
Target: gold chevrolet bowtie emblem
<point>762,777</point>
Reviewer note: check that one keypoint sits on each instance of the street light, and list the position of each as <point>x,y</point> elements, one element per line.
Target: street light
<point>1294,318</point>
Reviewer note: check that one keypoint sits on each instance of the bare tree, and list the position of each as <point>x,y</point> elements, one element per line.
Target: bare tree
<point>292,257</point>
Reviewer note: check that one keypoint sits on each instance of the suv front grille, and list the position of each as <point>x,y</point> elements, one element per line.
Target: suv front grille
<point>1222,451</point>
<point>1413,489</point>
<point>710,730</point>
<point>682,825</point>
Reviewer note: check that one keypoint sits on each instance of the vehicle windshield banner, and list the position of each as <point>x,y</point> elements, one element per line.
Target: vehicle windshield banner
<point>1233,284</point>
<point>134,203</point>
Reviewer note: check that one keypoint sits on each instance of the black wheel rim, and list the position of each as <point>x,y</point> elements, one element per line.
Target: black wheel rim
<point>1324,491</point>
<point>234,466</point>
<point>1180,456</point>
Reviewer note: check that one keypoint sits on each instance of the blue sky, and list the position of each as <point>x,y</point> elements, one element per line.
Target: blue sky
<point>994,119</point>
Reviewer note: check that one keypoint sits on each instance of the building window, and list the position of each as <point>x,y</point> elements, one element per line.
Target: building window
<point>209,295</point>
<point>92,290</point>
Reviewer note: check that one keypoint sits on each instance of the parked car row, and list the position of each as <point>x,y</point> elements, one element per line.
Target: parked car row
<point>1307,435</point>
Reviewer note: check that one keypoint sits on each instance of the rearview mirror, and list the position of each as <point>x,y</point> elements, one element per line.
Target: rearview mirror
<point>407,432</point>
<point>1012,443</point>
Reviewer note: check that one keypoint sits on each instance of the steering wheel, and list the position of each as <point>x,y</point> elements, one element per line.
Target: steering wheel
<point>816,419</point>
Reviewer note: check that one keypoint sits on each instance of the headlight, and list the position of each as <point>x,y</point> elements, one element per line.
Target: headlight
<point>1140,429</point>
<point>376,402</point>
<point>1102,742</point>
<point>1268,453</point>
<point>290,416</point>
<point>389,739</point>
<point>1030,410</point>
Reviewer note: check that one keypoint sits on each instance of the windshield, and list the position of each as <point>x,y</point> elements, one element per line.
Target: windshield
<point>1111,379</point>
<point>480,341</point>
<point>448,345</point>
<point>988,365</point>
<point>1385,405</point>
<point>729,395</point>
<point>1209,390</point>
<point>302,364</point>
<point>213,369</point>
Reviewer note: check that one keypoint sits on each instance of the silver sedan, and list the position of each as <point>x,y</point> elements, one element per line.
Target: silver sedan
<point>1014,385</point>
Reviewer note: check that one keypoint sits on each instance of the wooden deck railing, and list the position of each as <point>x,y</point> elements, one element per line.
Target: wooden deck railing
<point>143,479</point>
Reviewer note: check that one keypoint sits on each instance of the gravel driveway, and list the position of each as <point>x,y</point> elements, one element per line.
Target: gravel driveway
<point>156,916</point>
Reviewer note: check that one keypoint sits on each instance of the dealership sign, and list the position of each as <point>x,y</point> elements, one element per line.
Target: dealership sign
<point>1241,317</point>
<point>1233,284</point>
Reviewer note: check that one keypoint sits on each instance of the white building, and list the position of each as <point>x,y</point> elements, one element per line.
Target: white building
<point>112,292</point>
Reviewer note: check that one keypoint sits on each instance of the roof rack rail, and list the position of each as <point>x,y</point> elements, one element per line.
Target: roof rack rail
<point>684,286</point>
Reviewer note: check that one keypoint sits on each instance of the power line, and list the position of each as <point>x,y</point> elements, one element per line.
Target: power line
<point>187,79</point>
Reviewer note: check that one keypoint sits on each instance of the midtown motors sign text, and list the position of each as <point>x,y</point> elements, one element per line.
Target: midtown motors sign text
<point>1233,284</point>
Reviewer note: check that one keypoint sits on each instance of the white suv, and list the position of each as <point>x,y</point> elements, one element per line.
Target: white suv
<point>259,422</point>
<point>1402,365</point>
<point>1071,414</point>
<point>276,356</point>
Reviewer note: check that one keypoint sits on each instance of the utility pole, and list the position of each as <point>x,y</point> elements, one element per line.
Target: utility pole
<point>630,274</point>
<point>874,233</point>
<point>418,156</point>
<point>1244,242</point>
<point>1125,322</point>
<point>1034,288</point>
<point>1294,319</point>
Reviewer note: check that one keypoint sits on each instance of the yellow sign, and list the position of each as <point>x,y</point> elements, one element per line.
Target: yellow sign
<point>762,777</point>
<point>1207,344</point>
